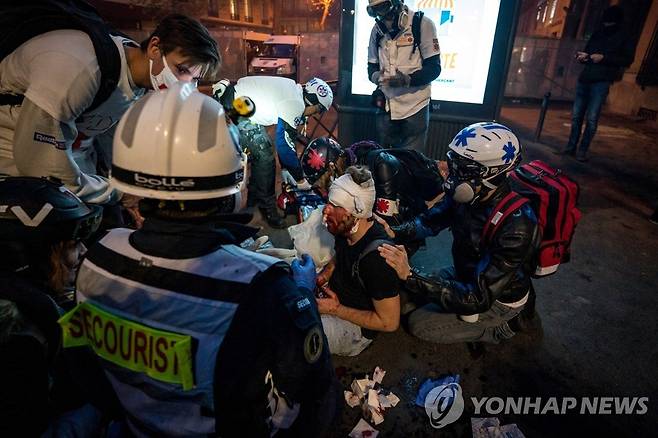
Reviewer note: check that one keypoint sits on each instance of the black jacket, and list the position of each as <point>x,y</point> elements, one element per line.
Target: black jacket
<point>617,50</point>
<point>39,379</point>
<point>407,180</point>
<point>483,274</point>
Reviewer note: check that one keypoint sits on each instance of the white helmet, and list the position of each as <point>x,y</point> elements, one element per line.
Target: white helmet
<point>478,154</point>
<point>318,91</point>
<point>175,144</point>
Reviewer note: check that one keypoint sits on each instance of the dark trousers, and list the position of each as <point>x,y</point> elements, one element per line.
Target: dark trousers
<point>430,323</point>
<point>409,133</point>
<point>590,98</point>
<point>262,177</point>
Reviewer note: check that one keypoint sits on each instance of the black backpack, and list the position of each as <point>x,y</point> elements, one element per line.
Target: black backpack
<point>21,20</point>
<point>426,176</point>
<point>415,30</point>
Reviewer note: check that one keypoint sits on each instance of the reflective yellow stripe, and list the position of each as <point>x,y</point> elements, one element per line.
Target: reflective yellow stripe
<point>163,356</point>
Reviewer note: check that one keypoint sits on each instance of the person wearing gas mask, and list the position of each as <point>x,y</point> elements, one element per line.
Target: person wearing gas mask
<point>56,96</point>
<point>608,51</point>
<point>287,104</point>
<point>403,60</point>
<point>235,342</point>
<point>489,283</point>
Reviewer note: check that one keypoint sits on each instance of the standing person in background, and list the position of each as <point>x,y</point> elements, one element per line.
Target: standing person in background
<point>605,56</point>
<point>403,60</point>
<point>287,104</point>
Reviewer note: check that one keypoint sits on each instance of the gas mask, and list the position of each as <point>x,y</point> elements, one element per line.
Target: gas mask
<point>165,79</point>
<point>464,178</point>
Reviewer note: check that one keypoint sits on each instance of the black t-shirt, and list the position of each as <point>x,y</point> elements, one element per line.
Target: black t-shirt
<point>380,280</point>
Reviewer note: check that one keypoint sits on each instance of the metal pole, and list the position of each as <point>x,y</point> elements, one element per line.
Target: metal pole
<point>542,115</point>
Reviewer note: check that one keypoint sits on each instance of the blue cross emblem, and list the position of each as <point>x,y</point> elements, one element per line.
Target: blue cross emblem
<point>509,152</point>
<point>462,138</point>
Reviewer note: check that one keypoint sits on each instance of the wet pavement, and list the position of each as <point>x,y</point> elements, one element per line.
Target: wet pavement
<point>599,322</point>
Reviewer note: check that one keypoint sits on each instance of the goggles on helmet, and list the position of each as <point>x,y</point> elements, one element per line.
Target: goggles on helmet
<point>464,169</point>
<point>311,99</point>
<point>83,228</point>
<point>381,9</point>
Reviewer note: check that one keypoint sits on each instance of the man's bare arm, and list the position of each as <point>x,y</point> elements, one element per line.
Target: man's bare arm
<point>385,317</point>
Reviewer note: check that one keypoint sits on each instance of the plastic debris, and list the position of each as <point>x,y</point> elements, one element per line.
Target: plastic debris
<point>430,384</point>
<point>374,399</point>
<point>363,430</point>
<point>490,428</point>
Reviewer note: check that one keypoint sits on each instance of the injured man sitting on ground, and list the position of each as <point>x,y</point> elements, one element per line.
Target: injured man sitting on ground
<point>357,291</point>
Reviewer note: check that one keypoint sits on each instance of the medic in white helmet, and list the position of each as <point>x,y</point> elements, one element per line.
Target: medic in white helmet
<point>282,102</point>
<point>490,280</point>
<point>237,347</point>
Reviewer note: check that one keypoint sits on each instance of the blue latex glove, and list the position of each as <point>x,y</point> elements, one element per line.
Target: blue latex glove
<point>304,272</point>
<point>430,384</point>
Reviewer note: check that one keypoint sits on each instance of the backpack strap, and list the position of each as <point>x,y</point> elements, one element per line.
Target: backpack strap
<point>36,17</point>
<point>381,31</point>
<point>415,29</point>
<point>509,204</point>
<point>372,246</point>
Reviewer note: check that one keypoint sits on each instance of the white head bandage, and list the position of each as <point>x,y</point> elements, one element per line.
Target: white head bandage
<point>357,199</point>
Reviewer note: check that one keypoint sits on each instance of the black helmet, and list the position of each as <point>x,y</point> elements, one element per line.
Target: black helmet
<point>317,156</point>
<point>40,210</point>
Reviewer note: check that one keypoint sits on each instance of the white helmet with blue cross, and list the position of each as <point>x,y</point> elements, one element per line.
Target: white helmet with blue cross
<point>480,154</point>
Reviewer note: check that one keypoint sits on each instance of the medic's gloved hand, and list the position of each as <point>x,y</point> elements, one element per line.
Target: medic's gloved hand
<point>218,88</point>
<point>398,80</point>
<point>287,178</point>
<point>376,76</point>
<point>304,272</point>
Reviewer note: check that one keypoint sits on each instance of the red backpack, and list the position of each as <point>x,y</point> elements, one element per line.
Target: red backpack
<point>552,196</point>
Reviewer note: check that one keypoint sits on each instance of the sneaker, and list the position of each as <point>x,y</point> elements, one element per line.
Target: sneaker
<point>582,157</point>
<point>271,215</point>
<point>565,151</point>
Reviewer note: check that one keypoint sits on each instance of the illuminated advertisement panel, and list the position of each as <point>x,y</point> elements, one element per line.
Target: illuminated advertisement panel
<point>465,30</point>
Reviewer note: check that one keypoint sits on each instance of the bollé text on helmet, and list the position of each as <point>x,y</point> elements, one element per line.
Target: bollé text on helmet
<point>164,182</point>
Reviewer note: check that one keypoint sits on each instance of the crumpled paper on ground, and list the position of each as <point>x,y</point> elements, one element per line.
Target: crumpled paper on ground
<point>363,430</point>
<point>490,428</point>
<point>374,400</point>
<point>430,384</point>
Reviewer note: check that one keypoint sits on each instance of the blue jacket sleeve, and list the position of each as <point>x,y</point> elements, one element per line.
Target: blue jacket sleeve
<point>285,148</point>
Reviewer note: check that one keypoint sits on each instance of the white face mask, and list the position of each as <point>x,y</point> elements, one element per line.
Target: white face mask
<point>165,79</point>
